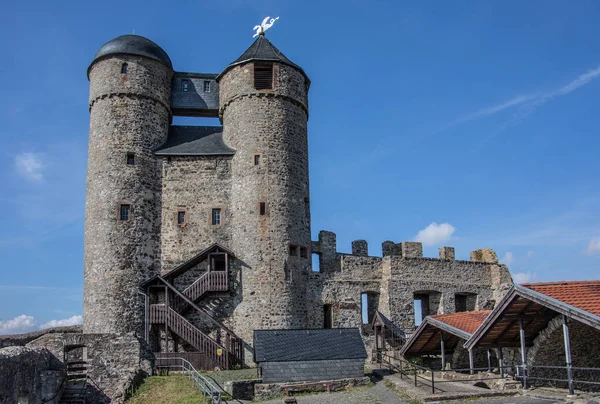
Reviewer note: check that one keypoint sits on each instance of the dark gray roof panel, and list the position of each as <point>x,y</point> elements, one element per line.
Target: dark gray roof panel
<point>308,345</point>
<point>193,100</point>
<point>134,45</point>
<point>195,141</point>
<point>263,50</point>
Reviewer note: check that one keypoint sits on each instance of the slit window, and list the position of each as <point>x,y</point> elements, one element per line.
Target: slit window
<point>328,317</point>
<point>206,86</point>
<point>263,208</point>
<point>130,159</point>
<point>216,216</point>
<point>124,212</point>
<point>257,159</point>
<point>181,217</point>
<point>124,68</point>
<point>263,76</point>
<point>303,252</point>
<point>316,262</point>
<point>185,85</point>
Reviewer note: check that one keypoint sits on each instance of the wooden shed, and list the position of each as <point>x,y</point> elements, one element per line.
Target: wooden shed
<point>309,355</point>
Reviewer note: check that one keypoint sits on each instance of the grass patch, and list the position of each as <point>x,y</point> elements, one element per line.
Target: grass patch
<point>392,387</point>
<point>175,389</point>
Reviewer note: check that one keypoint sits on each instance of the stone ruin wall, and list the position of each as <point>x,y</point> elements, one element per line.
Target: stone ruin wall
<point>395,278</point>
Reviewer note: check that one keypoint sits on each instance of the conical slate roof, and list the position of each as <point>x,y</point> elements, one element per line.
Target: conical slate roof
<point>262,50</point>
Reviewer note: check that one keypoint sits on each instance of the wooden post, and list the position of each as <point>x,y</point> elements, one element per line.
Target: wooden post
<point>472,370</point>
<point>568,354</point>
<point>443,350</point>
<point>501,361</point>
<point>166,321</point>
<point>489,356</point>
<point>523,352</point>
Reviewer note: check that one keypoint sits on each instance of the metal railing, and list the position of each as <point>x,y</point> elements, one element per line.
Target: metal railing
<point>208,388</point>
<point>426,375</point>
<point>527,373</point>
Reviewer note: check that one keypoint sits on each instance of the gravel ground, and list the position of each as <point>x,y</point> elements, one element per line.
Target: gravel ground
<point>379,394</point>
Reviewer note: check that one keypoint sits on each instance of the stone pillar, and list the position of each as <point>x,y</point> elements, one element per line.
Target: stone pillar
<point>446,253</point>
<point>388,248</point>
<point>412,249</point>
<point>360,248</point>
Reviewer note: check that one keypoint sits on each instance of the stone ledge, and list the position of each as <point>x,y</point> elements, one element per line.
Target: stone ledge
<point>271,390</point>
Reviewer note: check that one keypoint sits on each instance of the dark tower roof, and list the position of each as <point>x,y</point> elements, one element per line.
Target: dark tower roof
<point>133,45</point>
<point>262,50</point>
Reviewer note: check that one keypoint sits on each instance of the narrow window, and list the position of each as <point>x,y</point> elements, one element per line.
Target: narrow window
<point>303,252</point>
<point>124,212</point>
<point>216,216</point>
<point>316,262</point>
<point>185,85</point>
<point>206,86</point>
<point>256,159</point>
<point>124,68</point>
<point>293,250</point>
<point>263,208</point>
<point>263,76</point>
<point>328,318</point>
<point>130,159</point>
<point>181,217</point>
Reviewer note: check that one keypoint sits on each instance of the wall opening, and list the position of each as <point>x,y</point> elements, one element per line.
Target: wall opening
<point>316,262</point>
<point>421,307</point>
<point>124,212</point>
<point>217,261</point>
<point>124,68</point>
<point>216,216</point>
<point>327,316</point>
<point>130,159</point>
<point>263,76</point>
<point>464,302</point>
<point>263,208</point>
<point>369,303</point>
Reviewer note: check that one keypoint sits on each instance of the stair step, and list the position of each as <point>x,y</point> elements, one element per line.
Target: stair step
<point>76,376</point>
<point>77,363</point>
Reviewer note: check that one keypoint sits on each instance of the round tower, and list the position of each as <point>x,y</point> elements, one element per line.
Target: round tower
<point>130,89</point>
<point>264,110</point>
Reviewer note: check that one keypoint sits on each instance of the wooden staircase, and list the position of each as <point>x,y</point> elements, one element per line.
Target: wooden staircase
<point>225,354</point>
<point>208,282</point>
<point>75,383</point>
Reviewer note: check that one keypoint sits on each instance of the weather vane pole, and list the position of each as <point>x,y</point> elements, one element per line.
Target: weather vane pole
<point>266,24</point>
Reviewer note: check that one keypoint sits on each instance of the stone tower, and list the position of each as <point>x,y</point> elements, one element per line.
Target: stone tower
<point>130,88</point>
<point>263,100</point>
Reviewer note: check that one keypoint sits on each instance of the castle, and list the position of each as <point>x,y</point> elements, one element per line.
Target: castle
<point>195,236</point>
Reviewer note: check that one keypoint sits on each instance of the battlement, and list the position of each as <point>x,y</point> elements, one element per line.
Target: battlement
<point>326,246</point>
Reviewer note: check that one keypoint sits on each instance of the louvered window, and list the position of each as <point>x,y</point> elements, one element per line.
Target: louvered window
<point>263,76</point>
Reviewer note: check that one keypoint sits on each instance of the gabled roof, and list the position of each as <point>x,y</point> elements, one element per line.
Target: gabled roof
<point>584,295</point>
<point>455,328</point>
<point>192,262</point>
<point>536,304</point>
<point>194,141</point>
<point>262,50</point>
<point>382,320</point>
<point>308,345</point>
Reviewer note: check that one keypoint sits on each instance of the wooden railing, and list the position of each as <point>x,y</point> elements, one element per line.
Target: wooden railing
<point>216,281</point>
<point>224,356</point>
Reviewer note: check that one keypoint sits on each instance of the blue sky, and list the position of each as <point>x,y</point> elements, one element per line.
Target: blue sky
<point>469,124</point>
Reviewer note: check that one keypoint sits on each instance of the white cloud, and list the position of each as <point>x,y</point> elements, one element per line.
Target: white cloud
<point>509,259</point>
<point>593,247</point>
<point>17,325</point>
<point>435,233</point>
<point>30,166</point>
<point>524,277</point>
<point>23,323</point>
<point>62,323</point>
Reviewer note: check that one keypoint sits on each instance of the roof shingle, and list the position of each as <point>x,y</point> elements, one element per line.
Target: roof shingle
<point>584,295</point>
<point>467,321</point>
<point>307,345</point>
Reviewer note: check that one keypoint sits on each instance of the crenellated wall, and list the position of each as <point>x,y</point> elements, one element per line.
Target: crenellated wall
<point>397,278</point>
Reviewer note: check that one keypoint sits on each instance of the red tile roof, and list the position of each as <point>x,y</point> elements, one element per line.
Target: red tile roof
<point>584,295</point>
<point>468,321</point>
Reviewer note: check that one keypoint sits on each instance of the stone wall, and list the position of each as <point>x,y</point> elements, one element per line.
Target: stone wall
<point>24,339</point>
<point>396,278</point>
<point>115,361</point>
<point>29,375</point>
<point>549,350</point>
<point>196,185</point>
